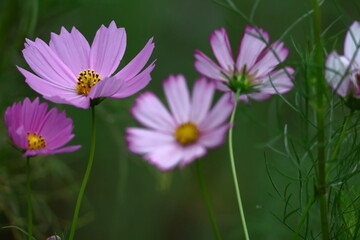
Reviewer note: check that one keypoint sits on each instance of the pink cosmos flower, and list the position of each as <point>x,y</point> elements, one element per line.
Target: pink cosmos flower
<point>38,131</point>
<point>343,72</point>
<point>71,72</point>
<point>54,237</point>
<point>253,72</point>
<point>177,138</point>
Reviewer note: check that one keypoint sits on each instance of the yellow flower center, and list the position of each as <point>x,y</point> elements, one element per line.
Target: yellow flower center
<point>187,133</point>
<point>86,80</point>
<point>35,142</point>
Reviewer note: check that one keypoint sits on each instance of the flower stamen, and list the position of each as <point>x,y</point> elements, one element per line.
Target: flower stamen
<point>35,142</point>
<point>86,80</point>
<point>187,133</point>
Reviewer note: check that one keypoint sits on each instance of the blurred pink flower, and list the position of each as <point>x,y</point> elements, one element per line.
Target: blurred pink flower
<point>343,72</point>
<point>254,72</point>
<point>38,131</point>
<point>55,237</point>
<point>71,72</point>
<point>179,138</point>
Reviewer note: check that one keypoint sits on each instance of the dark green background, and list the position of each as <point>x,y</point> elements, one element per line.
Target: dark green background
<point>126,197</point>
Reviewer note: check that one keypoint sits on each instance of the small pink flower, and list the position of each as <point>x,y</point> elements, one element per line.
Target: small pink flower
<point>71,72</point>
<point>179,138</point>
<point>55,237</point>
<point>254,72</point>
<point>38,131</point>
<point>343,72</point>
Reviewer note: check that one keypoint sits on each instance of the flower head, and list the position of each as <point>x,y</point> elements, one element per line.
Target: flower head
<point>69,71</point>
<point>177,138</point>
<point>253,73</point>
<point>54,237</point>
<point>38,131</point>
<point>343,72</point>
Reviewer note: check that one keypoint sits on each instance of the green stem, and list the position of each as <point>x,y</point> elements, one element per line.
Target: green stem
<point>320,118</point>
<point>322,186</point>
<point>29,199</point>
<point>86,176</point>
<point>233,168</point>
<point>206,199</point>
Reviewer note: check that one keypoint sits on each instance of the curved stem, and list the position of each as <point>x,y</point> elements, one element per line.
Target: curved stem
<point>206,199</point>
<point>86,176</point>
<point>304,215</point>
<point>29,199</point>
<point>233,168</point>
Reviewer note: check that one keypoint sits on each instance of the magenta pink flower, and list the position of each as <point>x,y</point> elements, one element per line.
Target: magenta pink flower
<point>185,134</point>
<point>343,72</point>
<point>38,131</point>
<point>254,72</point>
<point>71,72</point>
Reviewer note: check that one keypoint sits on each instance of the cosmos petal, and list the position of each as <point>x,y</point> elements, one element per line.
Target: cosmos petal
<point>177,95</point>
<point>107,49</point>
<point>72,48</point>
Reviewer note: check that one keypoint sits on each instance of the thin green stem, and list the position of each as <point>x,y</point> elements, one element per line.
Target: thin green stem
<point>320,119</point>
<point>233,168</point>
<point>205,196</point>
<point>322,185</point>
<point>339,142</point>
<point>29,198</point>
<point>86,176</point>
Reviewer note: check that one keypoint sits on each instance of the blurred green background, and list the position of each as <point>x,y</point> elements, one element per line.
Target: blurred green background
<point>126,197</point>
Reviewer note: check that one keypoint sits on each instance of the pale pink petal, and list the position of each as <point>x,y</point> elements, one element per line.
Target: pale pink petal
<point>352,42</point>
<point>215,137</point>
<point>165,157</point>
<point>278,82</point>
<point>54,237</point>
<point>208,68</point>
<point>47,87</point>
<point>106,87</point>
<point>72,48</point>
<point>143,141</point>
<point>135,84</point>
<point>177,95</point>
<point>222,86</point>
<point>191,153</point>
<point>45,63</point>
<point>243,98</point>
<point>276,54</point>
<point>221,48</point>
<point>202,96</point>
<point>138,63</point>
<point>219,114</point>
<point>67,149</point>
<point>252,44</point>
<point>76,100</point>
<point>107,49</point>
<point>260,97</point>
<point>335,74</point>
<point>149,111</point>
